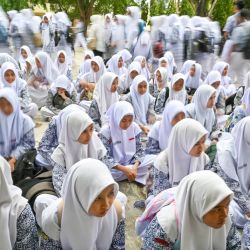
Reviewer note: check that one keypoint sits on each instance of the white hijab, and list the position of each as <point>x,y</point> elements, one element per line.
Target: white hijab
<point>164,76</point>
<point>187,66</point>
<point>22,60</point>
<point>162,129</point>
<point>82,185</point>
<point>246,101</point>
<point>11,206</point>
<point>180,95</point>
<point>14,126</point>
<point>212,77</point>
<point>203,114</point>
<point>63,82</point>
<point>196,195</point>
<point>170,73</point>
<point>85,67</point>
<point>5,57</point>
<point>45,30</point>
<point>144,71</point>
<point>126,55</point>
<point>220,66</point>
<point>113,66</point>
<point>140,102</point>
<point>48,69</point>
<point>194,81</point>
<point>134,66</point>
<point>62,67</point>
<point>18,85</point>
<point>69,150</point>
<point>103,95</point>
<point>124,141</point>
<point>176,160</point>
<point>247,80</point>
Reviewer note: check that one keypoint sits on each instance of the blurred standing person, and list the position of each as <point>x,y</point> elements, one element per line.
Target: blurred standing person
<point>80,40</point>
<point>108,27</point>
<point>4,23</point>
<point>48,34</point>
<point>96,35</point>
<point>118,33</point>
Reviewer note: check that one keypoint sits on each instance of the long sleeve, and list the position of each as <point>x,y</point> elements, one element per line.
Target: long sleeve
<point>95,114</point>
<point>160,101</point>
<point>118,242</point>
<point>58,175</point>
<point>140,153</point>
<point>24,98</point>
<point>25,144</point>
<point>234,239</point>
<point>152,146</point>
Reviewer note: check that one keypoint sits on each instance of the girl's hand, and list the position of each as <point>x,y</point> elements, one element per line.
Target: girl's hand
<point>12,163</point>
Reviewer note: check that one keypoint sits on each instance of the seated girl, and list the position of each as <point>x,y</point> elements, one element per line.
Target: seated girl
<point>201,203</point>
<point>142,102</point>
<point>231,163</point>
<point>105,94</point>
<point>116,66</point>
<point>63,65</point>
<point>214,79</point>
<point>43,75</point>
<point>163,62</point>
<point>85,84</point>
<point>134,70</point>
<point>61,94</point>
<point>77,141</point>
<point>25,53</point>
<point>239,112</point>
<point>144,67</point>
<point>28,69</point>
<point>176,91</point>
<point>183,155</point>
<point>193,79</point>
<point>51,135</point>
<point>16,128</point>
<point>201,108</point>
<point>17,220</point>
<point>10,79</point>
<point>159,134</point>
<point>122,139</point>
<point>88,205</point>
<point>86,64</point>
<point>159,82</point>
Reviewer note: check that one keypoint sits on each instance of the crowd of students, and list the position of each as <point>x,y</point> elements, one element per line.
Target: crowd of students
<point>177,127</point>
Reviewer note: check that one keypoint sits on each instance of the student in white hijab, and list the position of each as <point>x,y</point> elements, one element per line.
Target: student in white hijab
<point>63,64</point>
<point>9,79</point>
<point>50,138</point>
<point>44,74</point>
<point>30,64</point>
<point>61,94</point>
<point>86,64</point>
<point>159,134</point>
<point>88,205</point>
<point>159,82</point>
<point>163,62</point>
<point>17,220</point>
<point>116,66</point>
<point>201,203</point>
<point>186,66</point>
<point>171,62</point>
<point>77,141</point>
<point>134,70</point>
<point>86,83</point>
<point>184,154</point>
<point>232,160</point>
<point>144,66</point>
<point>122,139</point>
<point>105,94</point>
<point>126,56</point>
<point>16,128</point>
<point>177,90</point>
<point>23,55</point>
<point>214,79</point>
<point>142,102</point>
<point>201,108</point>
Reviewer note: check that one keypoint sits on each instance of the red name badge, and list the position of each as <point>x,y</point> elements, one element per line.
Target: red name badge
<point>131,139</point>
<point>161,242</point>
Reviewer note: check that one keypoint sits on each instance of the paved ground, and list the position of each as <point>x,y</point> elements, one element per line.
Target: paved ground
<point>132,191</point>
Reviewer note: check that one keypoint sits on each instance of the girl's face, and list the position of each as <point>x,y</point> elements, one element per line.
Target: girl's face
<point>158,76</point>
<point>192,71</point>
<point>38,64</point>
<point>87,57</point>
<point>120,62</point>
<point>225,71</point>
<point>95,67</point>
<point>199,147</point>
<point>86,135</point>
<point>133,74</point>
<point>178,117</point>
<point>45,20</point>
<point>178,85</point>
<point>24,54</point>
<point>143,63</point>
<point>5,106</point>
<point>126,121</point>
<point>216,217</point>
<point>211,101</point>
<point>60,91</point>
<point>114,85</point>
<point>142,88</point>
<point>61,58</point>
<point>216,84</point>
<point>9,76</point>
<point>103,202</point>
<point>164,64</point>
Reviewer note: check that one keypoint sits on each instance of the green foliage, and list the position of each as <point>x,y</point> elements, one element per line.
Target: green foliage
<point>186,8</point>
<point>171,7</point>
<point>14,4</point>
